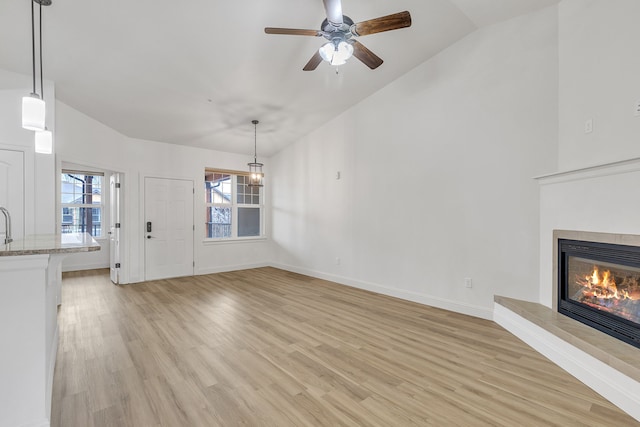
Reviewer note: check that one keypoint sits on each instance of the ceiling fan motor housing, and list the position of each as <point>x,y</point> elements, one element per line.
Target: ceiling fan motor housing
<point>343,32</point>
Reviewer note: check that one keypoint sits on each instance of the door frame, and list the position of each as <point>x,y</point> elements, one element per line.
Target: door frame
<point>125,211</point>
<point>115,233</point>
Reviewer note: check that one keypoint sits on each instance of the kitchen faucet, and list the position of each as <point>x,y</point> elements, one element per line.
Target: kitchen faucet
<point>7,225</point>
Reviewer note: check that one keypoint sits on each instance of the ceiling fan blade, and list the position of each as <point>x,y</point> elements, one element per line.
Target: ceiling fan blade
<point>334,11</point>
<point>313,62</point>
<point>384,23</point>
<point>292,32</point>
<point>369,58</point>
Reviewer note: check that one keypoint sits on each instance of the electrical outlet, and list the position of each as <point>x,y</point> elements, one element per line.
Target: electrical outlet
<point>636,109</point>
<point>468,283</point>
<point>588,126</point>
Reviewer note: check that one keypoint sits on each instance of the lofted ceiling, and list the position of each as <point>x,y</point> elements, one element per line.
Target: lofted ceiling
<point>197,72</point>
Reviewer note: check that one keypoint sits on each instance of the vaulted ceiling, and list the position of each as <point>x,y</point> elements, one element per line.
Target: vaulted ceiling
<point>197,72</point>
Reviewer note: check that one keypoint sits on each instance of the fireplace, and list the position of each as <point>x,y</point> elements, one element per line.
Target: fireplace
<point>599,285</point>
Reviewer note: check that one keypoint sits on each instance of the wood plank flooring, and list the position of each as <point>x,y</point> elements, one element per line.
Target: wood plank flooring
<point>265,347</point>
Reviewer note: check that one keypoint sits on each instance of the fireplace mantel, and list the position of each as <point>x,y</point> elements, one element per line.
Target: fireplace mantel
<point>593,171</point>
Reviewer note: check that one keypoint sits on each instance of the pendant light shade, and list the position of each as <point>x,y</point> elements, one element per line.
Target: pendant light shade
<point>255,168</point>
<point>33,112</point>
<point>44,142</point>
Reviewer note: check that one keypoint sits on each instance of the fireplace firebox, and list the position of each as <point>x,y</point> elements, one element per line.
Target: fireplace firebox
<point>599,285</point>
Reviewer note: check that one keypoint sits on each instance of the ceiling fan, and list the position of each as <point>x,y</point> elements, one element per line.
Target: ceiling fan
<point>340,30</point>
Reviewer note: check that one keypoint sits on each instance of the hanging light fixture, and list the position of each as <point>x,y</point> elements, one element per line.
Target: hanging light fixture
<point>33,107</point>
<point>44,141</point>
<point>255,168</point>
<point>44,138</point>
<point>336,52</point>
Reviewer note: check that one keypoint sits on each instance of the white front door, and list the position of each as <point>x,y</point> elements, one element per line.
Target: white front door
<point>12,192</point>
<point>168,227</point>
<point>114,227</point>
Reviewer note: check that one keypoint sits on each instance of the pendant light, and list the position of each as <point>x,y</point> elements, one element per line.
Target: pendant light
<point>33,107</point>
<point>44,138</point>
<point>255,168</point>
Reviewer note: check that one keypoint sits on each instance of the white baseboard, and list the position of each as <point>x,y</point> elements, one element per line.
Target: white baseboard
<point>456,306</point>
<point>82,267</point>
<point>225,268</point>
<point>619,389</point>
<point>41,423</point>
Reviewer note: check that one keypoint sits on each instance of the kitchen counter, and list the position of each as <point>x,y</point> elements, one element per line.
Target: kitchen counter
<point>50,244</point>
<point>30,292</point>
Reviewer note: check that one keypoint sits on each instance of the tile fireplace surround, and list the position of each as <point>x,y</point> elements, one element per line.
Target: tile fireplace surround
<point>597,204</point>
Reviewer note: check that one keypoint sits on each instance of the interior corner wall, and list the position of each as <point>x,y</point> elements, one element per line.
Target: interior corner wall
<point>84,141</point>
<point>599,69</point>
<point>434,181</point>
<point>39,168</point>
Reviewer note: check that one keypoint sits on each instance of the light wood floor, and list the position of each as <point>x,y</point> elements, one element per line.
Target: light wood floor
<point>265,347</point>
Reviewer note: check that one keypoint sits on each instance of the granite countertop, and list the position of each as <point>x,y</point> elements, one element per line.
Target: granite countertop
<point>50,244</point>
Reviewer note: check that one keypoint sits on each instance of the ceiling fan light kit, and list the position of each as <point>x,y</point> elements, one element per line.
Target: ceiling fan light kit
<point>340,30</point>
<point>336,53</point>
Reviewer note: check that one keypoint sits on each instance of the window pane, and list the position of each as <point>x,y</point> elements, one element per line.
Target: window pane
<point>217,187</point>
<point>82,220</point>
<point>248,222</point>
<point>218,222</point>
<point>81,189</point>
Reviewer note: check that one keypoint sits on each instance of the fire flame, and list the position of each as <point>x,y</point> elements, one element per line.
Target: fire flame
<point>604,286</point>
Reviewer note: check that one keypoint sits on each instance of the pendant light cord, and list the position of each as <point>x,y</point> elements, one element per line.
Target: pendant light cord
<point>255,142</point>
<point>33,48</point>
<point>41,85</point>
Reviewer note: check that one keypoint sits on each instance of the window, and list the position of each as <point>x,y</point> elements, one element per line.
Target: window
<point>81,202</point>
<point>233,208</point>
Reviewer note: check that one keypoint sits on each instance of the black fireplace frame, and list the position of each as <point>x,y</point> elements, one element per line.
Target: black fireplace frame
<point>608,323</point>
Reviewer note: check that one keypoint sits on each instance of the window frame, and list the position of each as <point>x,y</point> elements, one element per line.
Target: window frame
<point>235,207</point>
<point>100,207</point>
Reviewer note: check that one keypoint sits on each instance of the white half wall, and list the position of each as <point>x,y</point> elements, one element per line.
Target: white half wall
<point>434,181</point>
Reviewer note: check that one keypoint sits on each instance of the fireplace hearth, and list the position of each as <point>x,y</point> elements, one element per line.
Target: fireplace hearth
<point>599,285</point>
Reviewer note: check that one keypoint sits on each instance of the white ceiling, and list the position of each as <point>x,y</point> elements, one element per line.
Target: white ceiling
<point>197,72</point>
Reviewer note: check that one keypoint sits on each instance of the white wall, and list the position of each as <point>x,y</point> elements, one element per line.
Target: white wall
<point>39,168</point>
<point>435,176</point>
<point>84,141</point>
<point>599,69</point>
